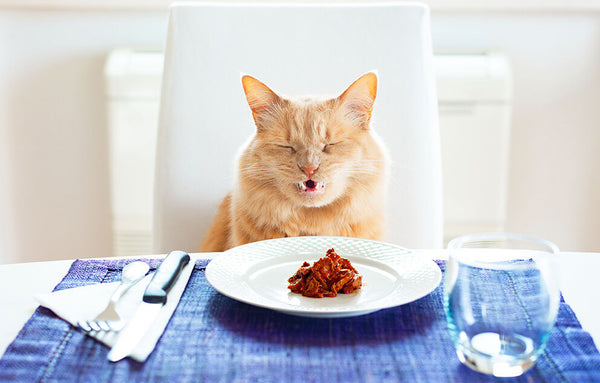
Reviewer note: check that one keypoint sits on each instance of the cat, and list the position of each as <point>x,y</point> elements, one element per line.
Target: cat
<point>313,167</point>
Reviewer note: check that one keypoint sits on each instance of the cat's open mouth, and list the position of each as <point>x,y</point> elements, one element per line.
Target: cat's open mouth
<point>310,186</point>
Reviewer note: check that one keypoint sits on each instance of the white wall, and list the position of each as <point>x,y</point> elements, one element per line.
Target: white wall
<point>554,171</point>
<point>54,172</point>
<point>54,191</point>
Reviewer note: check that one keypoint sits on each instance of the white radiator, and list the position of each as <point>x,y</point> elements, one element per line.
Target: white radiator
<point>474,93</point>
<point>133,79</point>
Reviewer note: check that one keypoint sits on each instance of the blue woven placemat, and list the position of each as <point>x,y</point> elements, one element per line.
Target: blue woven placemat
<point>213,338</point>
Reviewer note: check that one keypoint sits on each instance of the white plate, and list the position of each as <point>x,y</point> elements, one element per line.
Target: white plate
<point>257,274</point>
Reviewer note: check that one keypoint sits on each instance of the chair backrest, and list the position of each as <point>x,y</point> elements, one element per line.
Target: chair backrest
<point>299,49</point>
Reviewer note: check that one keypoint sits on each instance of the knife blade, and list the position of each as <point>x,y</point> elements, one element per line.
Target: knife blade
<point>155,296</point>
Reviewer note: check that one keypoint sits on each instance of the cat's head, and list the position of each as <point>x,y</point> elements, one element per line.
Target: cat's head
<point>312,150</point>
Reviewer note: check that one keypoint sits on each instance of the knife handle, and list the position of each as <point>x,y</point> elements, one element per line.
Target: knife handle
<point>165,276</point>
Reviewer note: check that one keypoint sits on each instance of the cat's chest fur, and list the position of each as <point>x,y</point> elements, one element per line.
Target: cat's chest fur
<point>355,214</point>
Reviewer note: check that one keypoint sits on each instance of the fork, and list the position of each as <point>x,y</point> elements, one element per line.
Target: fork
<point>109,319</point>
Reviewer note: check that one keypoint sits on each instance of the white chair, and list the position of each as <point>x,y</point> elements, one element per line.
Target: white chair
<point>295,49</point>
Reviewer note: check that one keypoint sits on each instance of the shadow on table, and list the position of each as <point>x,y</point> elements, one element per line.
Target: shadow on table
<point>266,325</point>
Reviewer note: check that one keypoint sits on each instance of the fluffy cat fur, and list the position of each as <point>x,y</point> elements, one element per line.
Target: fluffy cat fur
<point>313,168</point>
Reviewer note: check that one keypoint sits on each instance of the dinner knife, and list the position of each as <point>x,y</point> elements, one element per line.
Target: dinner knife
<point>155,296</point>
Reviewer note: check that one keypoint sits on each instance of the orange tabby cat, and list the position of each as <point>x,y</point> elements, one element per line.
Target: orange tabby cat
<point>312,168</point>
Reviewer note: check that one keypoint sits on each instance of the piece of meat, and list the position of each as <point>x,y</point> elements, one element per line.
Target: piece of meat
<point>327,277</point>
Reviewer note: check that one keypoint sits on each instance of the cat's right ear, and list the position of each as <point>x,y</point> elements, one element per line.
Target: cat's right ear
<point>261,99</point>
<point>357,101</point>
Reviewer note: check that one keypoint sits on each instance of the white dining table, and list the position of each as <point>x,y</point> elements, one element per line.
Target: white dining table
<point>21,282</point>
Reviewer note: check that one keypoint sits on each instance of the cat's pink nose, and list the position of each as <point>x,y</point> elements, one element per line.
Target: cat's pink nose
<point>309,170</point>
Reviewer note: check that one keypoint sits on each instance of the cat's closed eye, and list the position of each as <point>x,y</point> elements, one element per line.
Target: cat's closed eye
<point>290,148</point>
<point>329,145</point>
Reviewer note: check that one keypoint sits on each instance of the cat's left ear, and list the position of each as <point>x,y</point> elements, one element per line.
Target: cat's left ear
<point>356,103</point>
<point>261,99</point>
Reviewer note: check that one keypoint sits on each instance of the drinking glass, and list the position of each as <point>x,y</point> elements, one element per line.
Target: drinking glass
<point>501,299</point>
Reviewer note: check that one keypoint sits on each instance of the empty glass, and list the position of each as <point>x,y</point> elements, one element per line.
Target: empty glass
<point>501,300</point>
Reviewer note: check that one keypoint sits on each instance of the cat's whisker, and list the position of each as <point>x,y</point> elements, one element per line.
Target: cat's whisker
<point>256,187</point>
<point>250,169</point>
<point>255,172</point>
<point>366,172</point>
<point>369,161</point>
<point>366,166</point>
<point>366,188</point>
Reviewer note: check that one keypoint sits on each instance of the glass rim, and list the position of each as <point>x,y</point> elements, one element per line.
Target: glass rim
<point>456,243</point>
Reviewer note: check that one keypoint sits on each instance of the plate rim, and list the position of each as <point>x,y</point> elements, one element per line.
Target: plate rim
<point>320,312</point>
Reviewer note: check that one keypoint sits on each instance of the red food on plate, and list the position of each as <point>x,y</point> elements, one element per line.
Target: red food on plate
<point>327,277</point>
